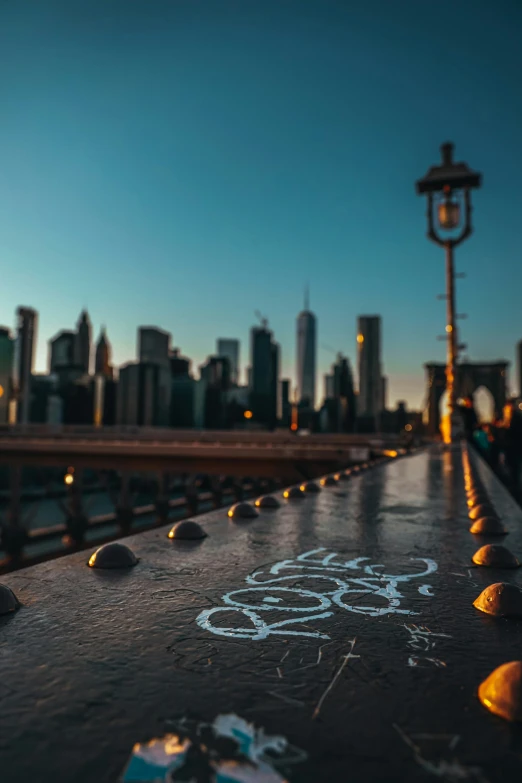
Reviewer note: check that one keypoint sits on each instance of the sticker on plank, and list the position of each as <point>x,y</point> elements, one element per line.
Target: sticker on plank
<point>229,750</point>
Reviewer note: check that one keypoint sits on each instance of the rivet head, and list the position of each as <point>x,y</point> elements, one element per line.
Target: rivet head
<point>293,493</point>
<point>113,556</point>
<point>328,481</point>
<point>501,600</point>
<point>187,530</point>
<point>8,601</point>
<point>488,526</point>
<point>267,501</point>
<point>310,486</point>
<point>482,510</point>
<point>242,511</point>
<point>501,692</point>
<point>356,469</point>
<point>495,556</point>
<point>477,500</point>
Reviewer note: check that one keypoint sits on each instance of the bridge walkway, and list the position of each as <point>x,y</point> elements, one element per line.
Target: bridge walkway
<point>364,657</point>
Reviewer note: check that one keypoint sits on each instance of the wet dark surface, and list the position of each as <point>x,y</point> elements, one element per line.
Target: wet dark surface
<point>95,661</point>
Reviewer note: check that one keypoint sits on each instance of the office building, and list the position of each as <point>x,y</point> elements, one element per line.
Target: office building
<point>46,406</point>
<point>179,365</point>
<point>306,352</point>
<point>104,390</point>
<point>369,367</point>
<point>153,345</point>
<point>216,374</point>
<point>62,350</point>
<point>329,387</point>
<point>230,348</point>
<point>265,376</point>
<point>83,342</point>
<point>26,330</point>
<point>144,395</point>
<point>78,399</point>
<point>182,401</point>
<point>7,347</point>
<point>286,402</point>
<point>338,412</point>
<point>345,393</point>
<point>102,357</point>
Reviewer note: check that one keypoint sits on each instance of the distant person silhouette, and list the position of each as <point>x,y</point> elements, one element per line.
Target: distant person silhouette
<point>469,417</point>
<point>512,425</point>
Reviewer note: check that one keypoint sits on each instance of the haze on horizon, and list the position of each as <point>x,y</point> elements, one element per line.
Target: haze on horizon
<point>185,163</point>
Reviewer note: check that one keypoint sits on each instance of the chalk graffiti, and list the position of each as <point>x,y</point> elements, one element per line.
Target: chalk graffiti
<point>342,582</point>
<point>421,638</point>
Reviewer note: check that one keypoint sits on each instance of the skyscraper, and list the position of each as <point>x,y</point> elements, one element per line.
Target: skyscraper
<point>265,368</point>
<point>285,402</point>
<point>230,349</point>
<point>306,350</point>
<point>275,391</point>
<point>82,347</point>
<point>24,358</point>
<point>6,372</point>
<point>369,366</point>
<point>144,392</point>
<point>344,392</point>
<point>61,350</point>
<point>102,360</point>
<point>153,345</point>
<point>179,365</point>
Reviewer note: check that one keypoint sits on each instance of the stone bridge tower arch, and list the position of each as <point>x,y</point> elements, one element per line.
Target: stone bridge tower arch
<point>470,376</point>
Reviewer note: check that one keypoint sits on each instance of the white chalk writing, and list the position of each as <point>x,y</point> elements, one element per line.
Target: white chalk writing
<point>342,583</point>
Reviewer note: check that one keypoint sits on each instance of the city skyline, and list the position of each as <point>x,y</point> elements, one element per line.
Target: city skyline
<point>202,163</point>
<point>159,341</point>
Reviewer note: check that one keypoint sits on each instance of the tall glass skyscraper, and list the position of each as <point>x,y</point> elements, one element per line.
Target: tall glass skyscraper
<point>230,349</point>
<point>306,351</point>
<point>27,320</point>
<point>264,389</point>
<point>369,365</point>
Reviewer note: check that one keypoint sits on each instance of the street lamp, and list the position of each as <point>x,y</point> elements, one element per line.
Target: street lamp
<point>448,190</point>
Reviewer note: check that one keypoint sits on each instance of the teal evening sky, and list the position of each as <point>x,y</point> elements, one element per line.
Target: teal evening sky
<point>186,162</point>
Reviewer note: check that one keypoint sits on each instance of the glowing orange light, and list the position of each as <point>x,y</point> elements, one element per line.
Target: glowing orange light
<point>360,338</point>
<point>408,428</point>
<point>449,328</point>
<point>286,494</point>
<point>68,479</point>
<point>248,414</point>
<point>293,426</point>
<point>1,391</point>
<point>302,487</point>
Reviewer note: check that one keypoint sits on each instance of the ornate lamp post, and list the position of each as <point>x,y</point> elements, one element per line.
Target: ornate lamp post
<point>448,189</point>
